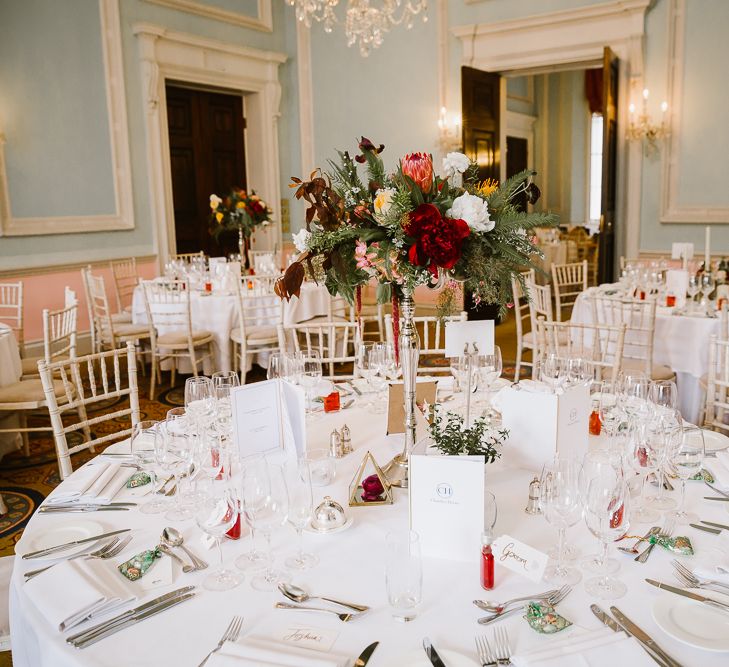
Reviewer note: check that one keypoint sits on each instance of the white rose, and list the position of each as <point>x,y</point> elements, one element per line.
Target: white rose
<point>301,240</point>
<point>455,163</point>
<point>215,201</point>
<point>474,210</point>
<point>383,201</point>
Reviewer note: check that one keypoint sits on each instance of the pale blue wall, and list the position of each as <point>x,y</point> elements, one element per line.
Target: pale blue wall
<point>70,170</point>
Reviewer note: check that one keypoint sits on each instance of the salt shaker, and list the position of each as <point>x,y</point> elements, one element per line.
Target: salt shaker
<point>335,445</point>
<point>346,440</point>
<point>534,497</point>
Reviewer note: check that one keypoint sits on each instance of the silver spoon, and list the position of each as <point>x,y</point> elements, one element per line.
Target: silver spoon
<point>167,551</point>
<point>300,595</point>
<point>173,538</point>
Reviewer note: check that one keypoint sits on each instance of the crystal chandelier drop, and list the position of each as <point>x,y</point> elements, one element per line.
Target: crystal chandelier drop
<point>366,22</point>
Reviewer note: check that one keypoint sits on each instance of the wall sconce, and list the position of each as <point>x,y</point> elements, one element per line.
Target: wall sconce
<point>449,131</point>
<point>641,127</point>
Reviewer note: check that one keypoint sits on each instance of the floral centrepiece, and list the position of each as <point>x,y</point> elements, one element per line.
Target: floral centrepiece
<point>412,227</point>
<point>239,211</point>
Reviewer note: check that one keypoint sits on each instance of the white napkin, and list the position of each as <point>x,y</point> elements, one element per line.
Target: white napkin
<point>261,653</point>
<point>115,482</point>
<point>599,648</point>
<point>77,484</point>
<point>74,590</point>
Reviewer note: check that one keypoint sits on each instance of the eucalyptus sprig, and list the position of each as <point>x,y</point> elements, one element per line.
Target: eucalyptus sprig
<point>451,437</point>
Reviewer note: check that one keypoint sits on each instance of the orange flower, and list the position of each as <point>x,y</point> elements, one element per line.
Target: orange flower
<point>218,216</point>
<point>488,187</point>
<point>419,167</point>
<point>240,204</point>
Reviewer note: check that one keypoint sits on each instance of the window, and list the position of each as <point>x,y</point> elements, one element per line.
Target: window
<point>595,188</point>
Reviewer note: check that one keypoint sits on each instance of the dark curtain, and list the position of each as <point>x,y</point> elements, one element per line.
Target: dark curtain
<point>593,89</point>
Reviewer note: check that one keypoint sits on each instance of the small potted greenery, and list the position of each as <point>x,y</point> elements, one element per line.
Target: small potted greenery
<point>450,436</point>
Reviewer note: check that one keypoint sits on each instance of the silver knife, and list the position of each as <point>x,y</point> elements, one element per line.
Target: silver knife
<point>608,620</point>
<point>365,656</point>
<point>642,637</point>
<point>70,510</point>
<point>688,594</point>
<point>68,545</point>
<point>719,491</point>
<point>72,503</point>
<point>125,615</point>
<point>134,619</point>
<point>716,525</point>
<point>715,531</point>
<point>721,500</point>
<point>432,653</point>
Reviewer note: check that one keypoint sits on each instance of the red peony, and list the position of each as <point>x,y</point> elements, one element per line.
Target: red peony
<point>419,167</point>
<point>438,240</point>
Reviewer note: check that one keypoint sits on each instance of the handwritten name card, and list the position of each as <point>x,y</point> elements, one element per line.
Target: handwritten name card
<point>520,558</point>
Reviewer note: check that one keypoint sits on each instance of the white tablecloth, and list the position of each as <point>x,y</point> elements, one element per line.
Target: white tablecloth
<point>218,313</point>
<point>10,372</point>
<point>351,567</point>
<point>681,343</point>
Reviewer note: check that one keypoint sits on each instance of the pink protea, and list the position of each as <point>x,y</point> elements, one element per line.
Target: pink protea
<point>419,167</point>
<point>364,258</point>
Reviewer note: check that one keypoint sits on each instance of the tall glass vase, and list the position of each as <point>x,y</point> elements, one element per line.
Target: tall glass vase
<point>396,470</point>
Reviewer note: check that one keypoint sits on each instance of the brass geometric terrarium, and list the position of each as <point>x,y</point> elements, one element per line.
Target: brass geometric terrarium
<point>369,485</point>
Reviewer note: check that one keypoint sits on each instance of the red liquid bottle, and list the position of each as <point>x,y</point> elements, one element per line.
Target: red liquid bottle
<point>487,563</point>
<point>595,426</point>
<point>234,532</point>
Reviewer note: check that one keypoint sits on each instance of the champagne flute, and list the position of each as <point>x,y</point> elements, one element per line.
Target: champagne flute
<point>362,366</point>
<point>377,362</point>
<point>688,456</point>
<point>177,456</point>
<point>253,476</point>
<point>643,457</point>
<point>199,401</point>
<point>311,377</point>
<point>301,508</point>
<point>610,413</point>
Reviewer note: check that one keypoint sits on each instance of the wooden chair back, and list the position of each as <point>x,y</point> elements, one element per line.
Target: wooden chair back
<point>11,311</point>
<point>336,342</point>
<point>569,281</point>
<point>126,279</point>
<point>716,413</point>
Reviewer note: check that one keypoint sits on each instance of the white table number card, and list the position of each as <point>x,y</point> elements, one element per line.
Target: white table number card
<point>269,416</point>
<point>460,334</point>
<point>682,251</point>
<point>446,505</point>
<point>519,557</point>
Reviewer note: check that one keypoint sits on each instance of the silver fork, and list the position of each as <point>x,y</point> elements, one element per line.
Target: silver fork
<point>560,595</point>
<point>690,580</point>
<point>485,655</point>
<point>503,650</point>
<point>108,550</point>
<point>666,532</point>
<point>497,608</point>
<point>230,635</point>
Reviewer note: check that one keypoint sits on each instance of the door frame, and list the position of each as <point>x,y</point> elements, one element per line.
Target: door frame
<point>574,39</point>
<point>169,55</point>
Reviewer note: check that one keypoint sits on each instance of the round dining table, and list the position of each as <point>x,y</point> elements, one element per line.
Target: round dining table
<point>10,372</point>
<point>351,567</point>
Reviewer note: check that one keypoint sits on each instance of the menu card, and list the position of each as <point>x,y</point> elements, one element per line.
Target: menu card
<point>446,505</point>
<point>269,416</point>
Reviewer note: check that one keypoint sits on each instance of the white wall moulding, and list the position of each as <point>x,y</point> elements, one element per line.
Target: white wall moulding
<point>672,211</point>
<point>570,39</point>
<point>166,54</point>
<point>96,260</point>
<point>262,21</point>
<point>123,217</point>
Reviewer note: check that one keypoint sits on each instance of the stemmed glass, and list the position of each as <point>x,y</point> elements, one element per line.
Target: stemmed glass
<point>562,506</point>
<point>580,371</point>
<point>266,506</point>
<point>223,384</point>
<point>176,456</point>
<point>378,375</point>
<point>144,434</point>
<point>301,508</point>
<point>362,365</point>
<point>707,287</point>
<point>275,366</point>
<point>199,403</point>
<point>606,516</point>
<point>292,367</point>
<point>489,369</point>
<point>643,457</point>
<point>311,377</point>
<point>215,514</point>
<point>663,394</point>
<point>666,434</point>
<point>553,370</point>
<point>634,392</point>
<point>688,456</point>
<point>694,286</point>
<point>610,413</point>
<point>252,471</point>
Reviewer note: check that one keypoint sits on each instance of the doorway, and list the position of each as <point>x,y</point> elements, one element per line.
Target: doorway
<point>207,155</point>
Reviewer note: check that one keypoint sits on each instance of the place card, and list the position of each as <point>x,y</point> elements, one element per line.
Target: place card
<point>305,636</point>
<point>446,496</point>
<point>519,557</point>
<point>677,285</point>
<point>682,251</point>
<point>425,392</point>
<point>459,334</point>
<point>269,416</point>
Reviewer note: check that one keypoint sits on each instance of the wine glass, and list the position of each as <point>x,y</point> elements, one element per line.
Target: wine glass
<point>362,365</point>
<point>666,434</point>
<point>223,383</point>
<point>275,366</point>
<point>610,413</point>
<point>176,457</point>
<point>663,394</point>
<point>606,516</point>
<point>687,458</point>
<point>580,371</point>
<point>561,503</point>
<point>292,367</point>
<point>707,287</point>
<point>301,508</point>
<point>253,474</point>
<point>311,377</point>
<point>215,514</point>
<point>199,401</point>
<point>643,458</point>
<point>489,367</point>
<point>146,441</point>
<point>633,396</point>
<point>265,503</point>
<point>694,285</point>
<point>377,363</point>
<point>553,370</point>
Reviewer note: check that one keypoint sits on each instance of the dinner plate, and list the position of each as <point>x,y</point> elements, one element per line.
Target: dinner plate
<point>62,533</point>
<point>419,659</point>
<point>692,622</point>
<point>713,441</point>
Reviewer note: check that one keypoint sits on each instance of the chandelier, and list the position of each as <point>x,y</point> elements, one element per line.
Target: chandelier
<point>366,22</point>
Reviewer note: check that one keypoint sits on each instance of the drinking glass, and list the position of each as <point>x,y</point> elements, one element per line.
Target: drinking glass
<point>144,447</point>
<point>610,413</point>
<point>633,396</point>
<point>266,505</point>
<point>580,371</point>
<point>321,466</point>
<point>301,508</point>
<point>707,287</point>
<point>176,457</point>
<point>694,285</point>
<point>553,370</point>
<point>562,506</point>
<point>275,366</point>
<point>666,434</point>
<point>606,516</point>
<point>403,574</point>
<point>199,402</point>
<point>643,458</point>
<point>223,384</point>
<point>215,514</point>
<point>362,367</point>
<point>292,368</point>
<point>377,362</point>
<point>252,473</point>
<point>489,367</point>
<point>663,394</point>
<point>311,377</point>
<point>688,456</point>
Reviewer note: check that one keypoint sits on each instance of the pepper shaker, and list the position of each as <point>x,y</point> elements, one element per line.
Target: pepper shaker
<point>535,493</point>
<point>346,440</point>
<point>335,445</point>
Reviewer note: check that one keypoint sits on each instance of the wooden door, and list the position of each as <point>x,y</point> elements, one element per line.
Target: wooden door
<point>606,241</point>
<point>207,155</point>
<point>517,160</point>
<point>480,93</point>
